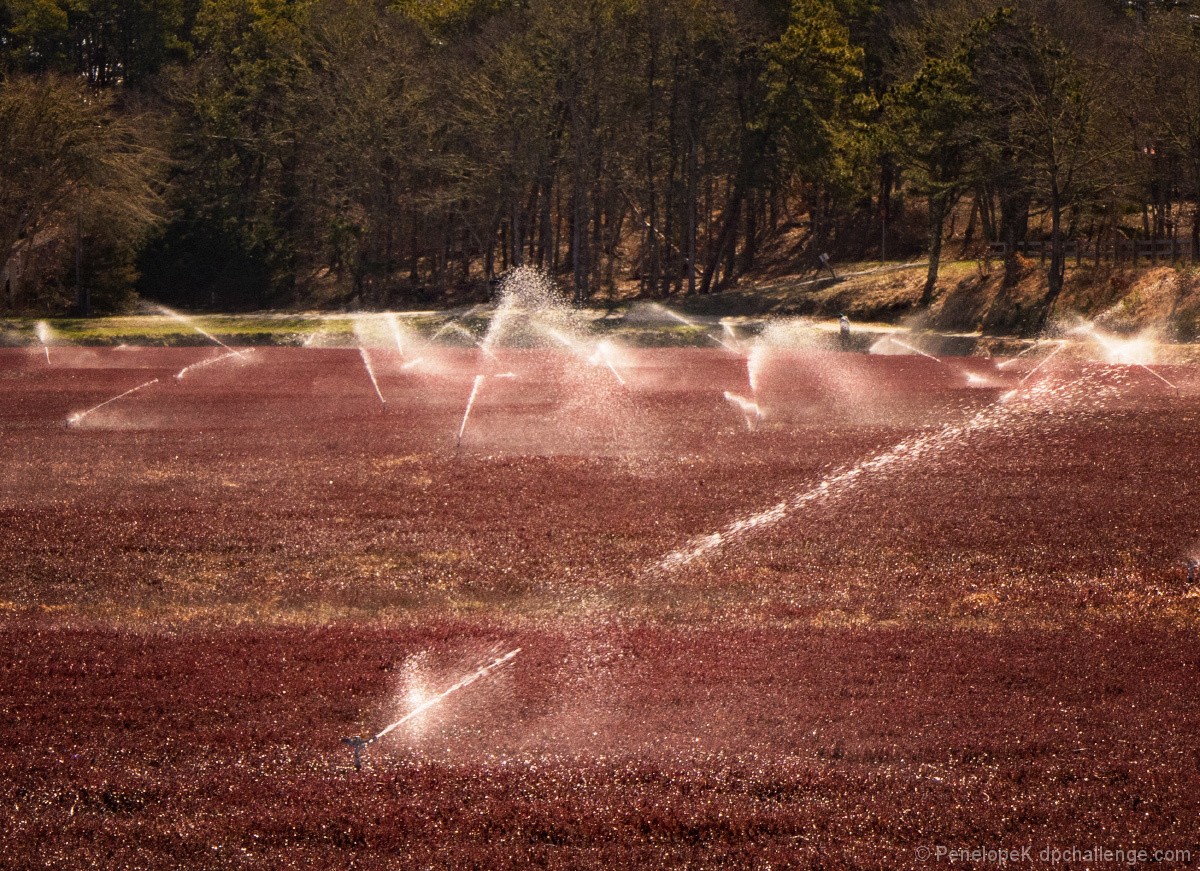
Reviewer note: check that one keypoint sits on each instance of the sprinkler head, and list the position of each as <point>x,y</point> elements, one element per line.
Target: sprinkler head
<point>357,744</point>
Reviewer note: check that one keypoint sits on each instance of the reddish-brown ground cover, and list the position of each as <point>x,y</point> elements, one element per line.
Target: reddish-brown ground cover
<point>984,639</point>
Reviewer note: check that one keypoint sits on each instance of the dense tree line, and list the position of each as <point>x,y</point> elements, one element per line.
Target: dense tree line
<point>381,152</point>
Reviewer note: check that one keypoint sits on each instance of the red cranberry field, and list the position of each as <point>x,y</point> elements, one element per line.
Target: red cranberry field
<point>776,607</point>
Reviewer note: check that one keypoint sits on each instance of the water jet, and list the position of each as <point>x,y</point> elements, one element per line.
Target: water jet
<point>359,744</point>
<point>470,402</point>
<point>75,419</point>
<point>162,309</point>
<point>43,334</point>
<point>371,373</point>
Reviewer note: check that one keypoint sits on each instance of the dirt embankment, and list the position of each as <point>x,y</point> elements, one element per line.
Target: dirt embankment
<point>973,297</point>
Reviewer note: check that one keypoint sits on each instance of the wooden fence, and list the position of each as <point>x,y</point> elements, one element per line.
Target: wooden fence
<point>1135,252</point>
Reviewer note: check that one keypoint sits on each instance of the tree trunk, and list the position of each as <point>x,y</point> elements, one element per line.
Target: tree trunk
<point>1014,217</point>
<point>579,231</point>
<point>652,252</point>
<point>937,216</point>
<point>1057,260</point>
<point>517,239</point>
<point>750,250</point>
<point>728,226</point>
<point>1196,217</point>
<point>671,275</point>
<point>691,208</point>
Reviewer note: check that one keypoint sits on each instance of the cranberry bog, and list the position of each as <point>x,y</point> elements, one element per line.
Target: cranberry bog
<point>776,606</point>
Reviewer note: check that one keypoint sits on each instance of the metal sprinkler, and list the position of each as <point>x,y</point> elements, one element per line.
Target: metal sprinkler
<point>1193,568</point>
<point>358,744</point>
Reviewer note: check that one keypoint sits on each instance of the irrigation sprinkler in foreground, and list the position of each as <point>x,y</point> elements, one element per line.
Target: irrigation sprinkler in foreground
<point>359,744</point>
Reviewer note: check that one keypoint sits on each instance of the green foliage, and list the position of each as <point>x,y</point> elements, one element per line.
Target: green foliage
<point>932,121</point>
<point>809,74</point>
<point>105,41</point>
<point>444,18</point>
<point>73,170</point>
<point>383,151</point>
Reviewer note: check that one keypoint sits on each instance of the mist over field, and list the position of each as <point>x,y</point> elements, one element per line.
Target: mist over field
<point>519,593</point>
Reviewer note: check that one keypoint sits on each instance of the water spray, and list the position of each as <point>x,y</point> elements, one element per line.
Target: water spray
<point>481,344</point>
<point>1118,353</point>
<point>188,322</point>
<point>728,347</point>
<point>43,334</point>
<point>203,363</point>
<point>390,317</point>
<point>755,361</point>
<point>75,419</point>
<point>1049,357</point>
<point>359,744</point>
<point>901,456</point>
<point>749,409</point>
<point>601,356</point>
<point>675,316</point>
<point>1028,350</point>
<point>467,413</point>
<point>914,350</point>
<point>371,373</point>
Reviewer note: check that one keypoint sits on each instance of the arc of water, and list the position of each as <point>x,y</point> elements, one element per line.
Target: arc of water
<point>465,682</point>
<point>448,326</point>
<point>78,416</point>
<point>395,326</point>
<point>1035,369</point>
<point>896,341</point>
<point>481,343</point>
<point>750,410</point>
<point>43,334</point>
<point>1108,346</point>
<point>1174,387</point>
<point>470,402</point>
<point>187,322</point>
<point>371,373</point>
<point>601,356</point>
<point>725,345</point>
<point>614,371</point>
<point>910,451</point>
<point>1028,350</point>
<point>203,363</point>
<point>675,316</point>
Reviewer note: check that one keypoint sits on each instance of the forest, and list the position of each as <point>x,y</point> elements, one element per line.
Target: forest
<point>243,154</point>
